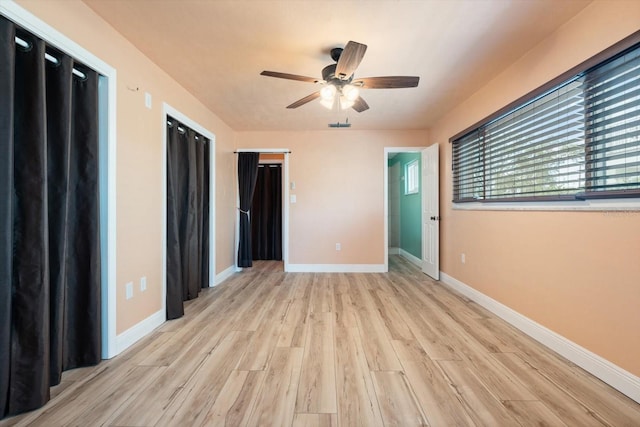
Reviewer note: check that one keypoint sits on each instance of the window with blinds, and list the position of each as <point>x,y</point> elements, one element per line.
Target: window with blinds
<point>578,140</point>
<point>612,128</point>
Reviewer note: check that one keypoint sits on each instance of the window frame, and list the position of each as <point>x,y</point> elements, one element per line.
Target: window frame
<point>610,202</point>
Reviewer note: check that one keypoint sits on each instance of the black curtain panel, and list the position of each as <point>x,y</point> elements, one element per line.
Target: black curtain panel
<point>204,243</point>
<point>187,215</point>
<point>50,318</point>
<point>7,79</point>
<point>266,214</point>
<point>247,175</point>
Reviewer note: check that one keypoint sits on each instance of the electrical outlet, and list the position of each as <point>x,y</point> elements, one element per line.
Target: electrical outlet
<point>338,247</point>
<point>463,258</point>
<point>143,283</point>
<point>129,290</point>
<point>293,198</point>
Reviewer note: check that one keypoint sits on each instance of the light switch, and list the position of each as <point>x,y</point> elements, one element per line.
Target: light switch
<point>147,100</point>
<point>293,198</point>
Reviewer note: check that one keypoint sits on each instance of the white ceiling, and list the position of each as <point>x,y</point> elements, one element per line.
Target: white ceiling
<point>217,49</point>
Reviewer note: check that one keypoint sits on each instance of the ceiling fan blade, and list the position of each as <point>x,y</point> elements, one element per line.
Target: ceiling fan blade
<point>289,76</point>
<point>350,58</point>
<point>360,105</point>
<point>388,82</point>
<point>304,100</point>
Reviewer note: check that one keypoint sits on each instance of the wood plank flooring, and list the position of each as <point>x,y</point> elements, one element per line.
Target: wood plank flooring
<point>268,348</point>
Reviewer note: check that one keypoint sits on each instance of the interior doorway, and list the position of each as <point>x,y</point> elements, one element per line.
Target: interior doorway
<point>271,156</point>
<point>266,209</point>
<point>410,200</point>
<point>208,159</point>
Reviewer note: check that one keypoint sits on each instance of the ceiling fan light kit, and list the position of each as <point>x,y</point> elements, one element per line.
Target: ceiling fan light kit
<point>339,89</point>
<point>328,93</point>
<point>347,96</point>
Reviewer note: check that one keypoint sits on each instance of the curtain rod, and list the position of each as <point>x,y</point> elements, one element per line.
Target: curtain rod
<point>47,56</point>
<point>183,130</point>
<point>264,152</point>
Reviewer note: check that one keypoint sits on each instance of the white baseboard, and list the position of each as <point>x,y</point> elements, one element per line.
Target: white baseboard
<point>616,377</point>
<point>224,275</point>
<point>394,251</point>
<point>139,331</point>
<point>336,268</point>
<point>411,258</point>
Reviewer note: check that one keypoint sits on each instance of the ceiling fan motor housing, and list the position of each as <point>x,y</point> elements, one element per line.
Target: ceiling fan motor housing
<point>329,76</point>
<point>335,53</point>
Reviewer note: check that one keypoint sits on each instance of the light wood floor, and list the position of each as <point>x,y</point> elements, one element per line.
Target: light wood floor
<point>297,349</point>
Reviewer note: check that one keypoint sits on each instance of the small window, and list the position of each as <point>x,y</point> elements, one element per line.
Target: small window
<point>411,177</point>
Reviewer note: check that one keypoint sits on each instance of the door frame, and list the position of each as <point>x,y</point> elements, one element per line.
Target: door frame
<point>168,110</point>
<point>285,203</point>
<point>387,151</point>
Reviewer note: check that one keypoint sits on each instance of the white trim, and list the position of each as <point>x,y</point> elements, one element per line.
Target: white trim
<point>411,258</point>
<point>616,206</point>
<point>616,377</point>
<point>108,86</point>
<point>52,36</point>
<point>264,150</point>
<point>109,314</point>
<point>225,274</point>
<point>139,331</point>
<point>168,110</point>
<point>394,251</point>
<point>385,184</point>
<point>336,268</point>
<point>285,213</point>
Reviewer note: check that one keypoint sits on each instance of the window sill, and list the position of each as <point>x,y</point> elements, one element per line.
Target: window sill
<point>619,206</point>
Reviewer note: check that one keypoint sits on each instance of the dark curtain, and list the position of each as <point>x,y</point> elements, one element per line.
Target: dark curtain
<point>247,175</point>
<point>266,214</point>
<point>187,216</point>
<point>204,243</point>
<point>50,250</point>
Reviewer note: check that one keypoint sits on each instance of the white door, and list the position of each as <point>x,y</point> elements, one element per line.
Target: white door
<point>430,213</point>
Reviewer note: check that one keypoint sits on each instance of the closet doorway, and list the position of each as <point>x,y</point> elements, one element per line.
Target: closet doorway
<point>268,156</point>
<point>266,209</point>
<point>188,210</point>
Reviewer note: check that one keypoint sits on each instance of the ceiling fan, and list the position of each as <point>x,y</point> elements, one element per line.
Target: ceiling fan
<point>339,87</point>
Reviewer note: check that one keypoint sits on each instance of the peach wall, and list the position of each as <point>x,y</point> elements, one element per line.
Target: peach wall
<point>339,177</point>
<point>577,273</point>
<point>139,156</point>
